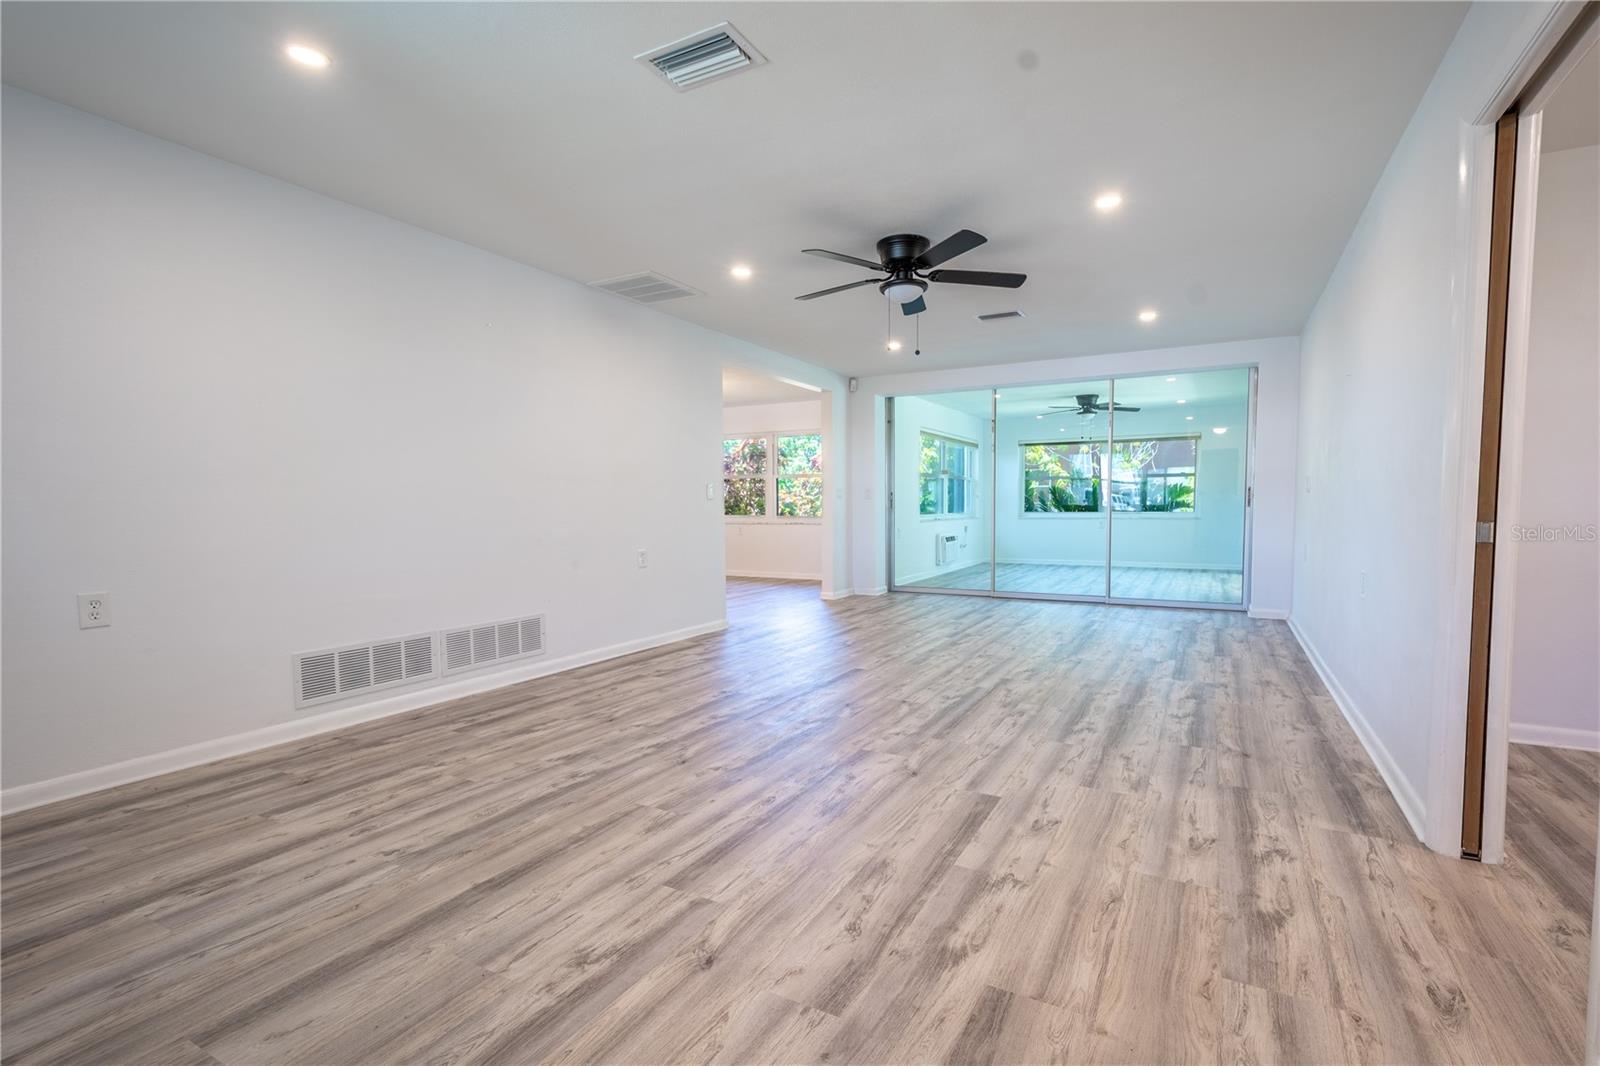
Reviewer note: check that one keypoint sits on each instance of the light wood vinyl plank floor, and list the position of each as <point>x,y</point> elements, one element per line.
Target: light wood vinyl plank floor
<point>881,830</point>
<point>1127,582</point>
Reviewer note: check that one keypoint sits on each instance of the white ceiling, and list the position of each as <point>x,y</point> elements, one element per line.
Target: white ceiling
<point>1572,117</point>
<point>1245,137</point>
<point>740,388</point>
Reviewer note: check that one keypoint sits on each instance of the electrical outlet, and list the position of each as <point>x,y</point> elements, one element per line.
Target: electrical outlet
<point>711,490</point>
<point>1363,584</point>
<point>94,610</point>
<point>644,559</point>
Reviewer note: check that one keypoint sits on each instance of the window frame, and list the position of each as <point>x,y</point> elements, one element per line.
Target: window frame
<point>772,476</point>
<point>941,495</point>
<point>1106,452</point>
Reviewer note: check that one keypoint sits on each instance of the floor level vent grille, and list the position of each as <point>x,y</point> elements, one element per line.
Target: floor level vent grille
<point>472,647</point>
<point>336,673</point>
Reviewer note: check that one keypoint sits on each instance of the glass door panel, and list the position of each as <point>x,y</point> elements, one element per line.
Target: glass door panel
<point>1176,484</point>
<point>1050,506</point>
<point>940,480</point>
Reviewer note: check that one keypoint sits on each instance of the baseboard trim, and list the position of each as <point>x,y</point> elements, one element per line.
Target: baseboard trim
<point>774,575</point>
<point>1554,736</point>
<point>839,594</point>
<point>68,786</point>
<point>1276,614</point>
<point>1410,803</point>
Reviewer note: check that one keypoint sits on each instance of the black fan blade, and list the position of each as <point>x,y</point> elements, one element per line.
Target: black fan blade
<point>963,240</point>
<point>992,278</point>
<point>1113,407</point>
<point>837,288</point>
<point>1120,407</point>
<point>842,258</point>
<point>914,307</point>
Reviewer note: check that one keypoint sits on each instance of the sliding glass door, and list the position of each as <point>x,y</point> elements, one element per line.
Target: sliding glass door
<point>1050,517</point>
<point>1115,490</point>
<point>1178,485</point>
<point>941,491</point>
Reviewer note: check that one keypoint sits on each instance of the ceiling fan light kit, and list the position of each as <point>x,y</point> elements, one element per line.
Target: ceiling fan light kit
<point>903,291</point>
<point>909,261</point>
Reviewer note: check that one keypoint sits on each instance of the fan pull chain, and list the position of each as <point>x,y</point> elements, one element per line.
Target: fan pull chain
<point>918,320</point>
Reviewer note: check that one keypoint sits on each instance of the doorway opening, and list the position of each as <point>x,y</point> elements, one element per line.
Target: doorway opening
<point>775,480</point>
<point>1531,795</point>
<point>1121,490</point>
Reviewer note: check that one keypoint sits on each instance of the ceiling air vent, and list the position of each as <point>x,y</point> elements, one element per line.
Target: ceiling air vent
<point>493,642</point>
<point>646,288</point>
<point>702,57</point>
<point>998,315</point>
<point>320,676</point>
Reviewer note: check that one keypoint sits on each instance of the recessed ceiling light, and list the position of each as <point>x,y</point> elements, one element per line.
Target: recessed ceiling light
<point>1038,416</point>
<point>1148,315</point>
<point>1108,201</point>
<point>307,56</point>
<point>740,271</point>
<point>893,346</point>
<point>1219,430</point>
<point>1172,379</point>
<point>1188,418</point>
<point>1183,401</point>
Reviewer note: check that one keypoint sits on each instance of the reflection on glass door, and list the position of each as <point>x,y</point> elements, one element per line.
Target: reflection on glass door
<point>1177,485</point>
<point>1050,517</point>
<point>942,496</point>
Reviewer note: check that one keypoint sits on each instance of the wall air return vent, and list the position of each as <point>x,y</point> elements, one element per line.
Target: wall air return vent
<point>702,57</point>
<point>493,642</point>
<point>998,315</point>
<point>646,288</point>
<point>321,676</point>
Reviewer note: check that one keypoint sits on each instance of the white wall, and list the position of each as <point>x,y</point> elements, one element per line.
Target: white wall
<point>1277,412</point>
<point>1391,369</point>
<point>1211,537</point>
<point>1555,673</point>
<point>267,422</point>
<point>915,550</point>
<point>787,548</point>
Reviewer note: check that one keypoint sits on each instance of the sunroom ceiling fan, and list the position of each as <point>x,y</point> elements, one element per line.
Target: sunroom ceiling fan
<point>909,261</point>
<point>1087,405</point>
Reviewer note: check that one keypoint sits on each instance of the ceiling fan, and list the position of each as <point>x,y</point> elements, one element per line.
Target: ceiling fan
<point>1088,406</point>
<point>909,261</point>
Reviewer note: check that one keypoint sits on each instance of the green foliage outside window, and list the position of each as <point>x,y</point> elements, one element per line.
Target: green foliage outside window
<point>1153,476</point>
<point>796,483</point>
<point>800,476</point>
<point>945,476</point>
<point>744,476</point>
<point>1061,477</point>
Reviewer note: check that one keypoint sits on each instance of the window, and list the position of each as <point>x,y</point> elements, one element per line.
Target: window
<point>751,478</point>
<point>949,468</point>
<point>800,475</point>
<point>1060,477</point>
<point>744,476</point>
<point>1155,475</point>
<point>1152,476</point>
